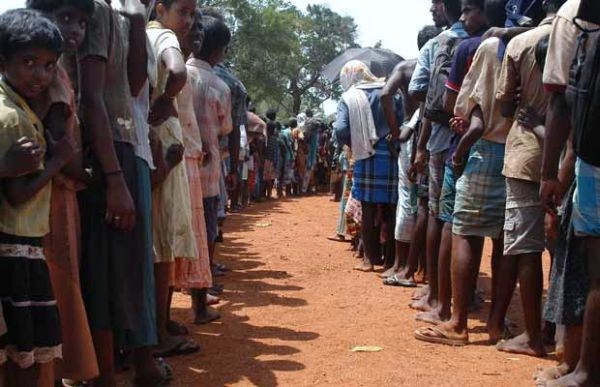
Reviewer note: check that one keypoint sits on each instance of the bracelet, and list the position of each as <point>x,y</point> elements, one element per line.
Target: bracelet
<point>113,173</point>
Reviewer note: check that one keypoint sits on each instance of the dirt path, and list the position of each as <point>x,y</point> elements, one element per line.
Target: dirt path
<point>294,308</point>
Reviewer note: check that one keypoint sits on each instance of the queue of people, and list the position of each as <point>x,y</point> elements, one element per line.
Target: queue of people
<point>486,135</point>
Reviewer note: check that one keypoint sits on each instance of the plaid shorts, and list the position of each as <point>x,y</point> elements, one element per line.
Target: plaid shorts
<point>481,193</point>
<point>448,197</point>
<point>586,202</point>
<point>437,163</point>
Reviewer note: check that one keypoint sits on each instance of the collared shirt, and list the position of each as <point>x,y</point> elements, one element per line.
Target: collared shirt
<point>479,89</point>
<point>212,106</point>
<point>441,135</point>
<point>32,218</point>
<point>561,48</point>
<point>523,159</point>
<point>107,37</point>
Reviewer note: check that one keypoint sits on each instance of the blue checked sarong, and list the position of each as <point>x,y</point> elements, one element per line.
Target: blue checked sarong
<point>376,178</point>
<point>586,202</point>
<point>481,193</point>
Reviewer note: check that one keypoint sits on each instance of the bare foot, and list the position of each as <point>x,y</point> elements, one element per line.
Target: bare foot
<point>422,305</point>
<point>421,292</point>
<point>365,266</point>
<point>207,316</point>
<point>522,345</point>
<point>388,273</point>
<point>545,375</point>
<point>431,317</point>
<point>574,379</point>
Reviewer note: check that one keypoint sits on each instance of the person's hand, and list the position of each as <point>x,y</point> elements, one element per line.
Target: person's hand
<point>63,150</point>
<point>120,208</point>
<point>174,155</point>
<point>458,166</point>
<point>420,162</point>
<point>459,125</point>
<point>529,118</point>
<point>161,110</point>
<point>24,156</point>
<point>551,194</point>
<point>494,32</point>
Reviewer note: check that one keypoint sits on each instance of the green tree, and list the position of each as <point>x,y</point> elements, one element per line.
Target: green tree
<point>279,51</point>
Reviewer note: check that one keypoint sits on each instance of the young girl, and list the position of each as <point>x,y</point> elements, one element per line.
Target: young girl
<point>172,211</point>
<point>57,109</point>
<point>32,45</point>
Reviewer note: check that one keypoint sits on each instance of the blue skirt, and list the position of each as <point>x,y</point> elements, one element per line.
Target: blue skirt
<point>375,179</point>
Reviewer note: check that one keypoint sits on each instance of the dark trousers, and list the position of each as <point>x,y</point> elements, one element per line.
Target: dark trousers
<point>378,227</point>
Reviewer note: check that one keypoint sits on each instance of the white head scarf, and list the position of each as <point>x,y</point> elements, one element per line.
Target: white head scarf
<point>357,73</point>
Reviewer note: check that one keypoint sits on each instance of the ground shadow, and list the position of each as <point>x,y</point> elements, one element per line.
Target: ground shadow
<point>232,348</point>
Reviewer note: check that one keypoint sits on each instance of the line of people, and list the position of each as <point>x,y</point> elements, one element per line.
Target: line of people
<point>463,144</point>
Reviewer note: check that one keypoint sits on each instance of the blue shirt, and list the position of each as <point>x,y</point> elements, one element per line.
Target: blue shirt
<point>441,135</point>
<point>342,122</point>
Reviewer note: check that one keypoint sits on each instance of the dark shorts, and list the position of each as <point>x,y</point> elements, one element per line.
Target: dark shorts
<point>211,212</point>
<point>112,281</point>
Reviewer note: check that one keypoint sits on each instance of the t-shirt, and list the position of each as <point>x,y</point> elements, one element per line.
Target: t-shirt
<point>523,159</point>
<point>479,89</point>
<point>107,37</point>
<point>561,49</point>
<point>32,218</point>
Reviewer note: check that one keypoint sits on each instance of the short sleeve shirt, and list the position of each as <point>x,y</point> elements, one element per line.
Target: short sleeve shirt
<point>108,38</point>
<point>461,63</point>
<point>523,158</point>
<point>479,89</point>
<point>561,48</point>
<point>32,218</point>
<point>189,124</point>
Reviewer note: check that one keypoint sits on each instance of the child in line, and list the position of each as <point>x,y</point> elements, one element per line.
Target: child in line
<point>56,107</point>
<point>31,46</point>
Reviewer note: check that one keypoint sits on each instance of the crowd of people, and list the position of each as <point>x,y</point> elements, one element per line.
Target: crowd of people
<point>489,134</point>
<point>124,142</point>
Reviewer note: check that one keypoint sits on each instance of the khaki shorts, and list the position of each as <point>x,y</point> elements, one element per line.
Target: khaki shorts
<point>524,223</point>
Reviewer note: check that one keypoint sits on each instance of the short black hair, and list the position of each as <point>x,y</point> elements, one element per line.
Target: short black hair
<point>541,50</point>
<point>293,123</point>
<point>495,12</point>
<point>453,10</point>
<point>216,36</point>
<point>426,34</point>
<point>271,114</point>
<point>475,3</point>
<point>309,113</point>
<point>21,29</point>
<point>49,6</point>
<point>552,6</point>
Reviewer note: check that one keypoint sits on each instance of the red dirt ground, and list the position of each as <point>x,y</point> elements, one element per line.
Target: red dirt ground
<point>293,309</point>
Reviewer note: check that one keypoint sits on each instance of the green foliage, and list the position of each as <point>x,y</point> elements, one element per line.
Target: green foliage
<point>279,51</point>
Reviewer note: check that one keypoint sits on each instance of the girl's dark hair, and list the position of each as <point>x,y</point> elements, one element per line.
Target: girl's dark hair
<point>49,6</point>
<point>293,123</point>
<point>271,114</point>
<point>541,49</point>
<point>495,12</point>
<point>216,37</point>
<point>21,29</point>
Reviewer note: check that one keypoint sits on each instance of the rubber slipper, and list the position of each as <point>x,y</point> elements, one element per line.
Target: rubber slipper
<point>402,282</point>
<point>184,347</point>
<point>177,329</point>
<point>338,238</point>
<point>436,335</point>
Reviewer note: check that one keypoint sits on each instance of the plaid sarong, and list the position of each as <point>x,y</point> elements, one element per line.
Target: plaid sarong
<point>376,178</point>
<point>481,193</point>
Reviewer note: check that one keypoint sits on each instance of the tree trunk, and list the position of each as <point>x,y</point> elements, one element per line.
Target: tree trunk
<point>296,102</point>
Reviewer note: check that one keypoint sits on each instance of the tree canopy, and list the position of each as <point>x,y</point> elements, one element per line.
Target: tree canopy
<point>278,51</point>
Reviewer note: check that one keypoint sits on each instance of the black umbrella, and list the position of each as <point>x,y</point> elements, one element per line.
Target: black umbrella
<point>380,61</point>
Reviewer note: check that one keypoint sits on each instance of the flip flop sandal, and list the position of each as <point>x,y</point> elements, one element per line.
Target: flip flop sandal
<point>338,238</point>
<point>177,329</point>
<point>435,335</point>
<point>402,282</point>
<point>185,347</point>
<point>165,368</point>
<point>222,267</point>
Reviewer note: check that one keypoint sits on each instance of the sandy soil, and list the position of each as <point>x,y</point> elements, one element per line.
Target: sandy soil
<point>293,310</point>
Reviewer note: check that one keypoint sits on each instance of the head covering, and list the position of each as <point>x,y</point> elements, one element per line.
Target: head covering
<point>357,73</point>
